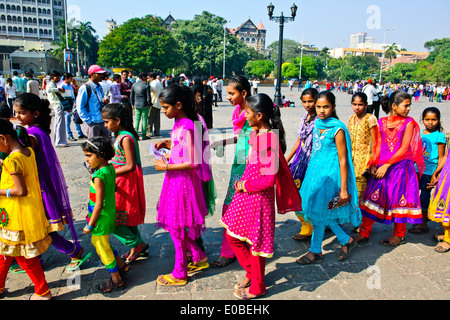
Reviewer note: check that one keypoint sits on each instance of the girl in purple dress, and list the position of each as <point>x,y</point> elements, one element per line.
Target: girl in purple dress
<point>34,113</point>
<point>392,194</point>
<point>182,206</point>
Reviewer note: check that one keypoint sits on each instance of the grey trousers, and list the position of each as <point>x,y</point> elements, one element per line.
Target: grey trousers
<point>154,120</point>
<point>96,130</point>
<point>59,127</point>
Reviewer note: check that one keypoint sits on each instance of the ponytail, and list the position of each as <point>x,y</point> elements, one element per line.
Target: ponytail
<point>32,103</point>
<point>262,103</point>
<point>396,97</point>
<point>18,133</point>
<point>175,93</point>
<point>117,110</point>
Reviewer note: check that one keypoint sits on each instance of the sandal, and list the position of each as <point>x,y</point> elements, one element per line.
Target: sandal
<point>78,262</point>
<point>304,260</point>
<point>243,294</point>
<point>171,282</point>
<point>387,243</point>
<point>300,237</point>
<point>344,255</point>
<point>197,267</point>
<point>143,252</point>
<point>16,269</point>
<point>417,230</point>
<point>111,286</point>
<point>240,286</point>
<point>222,262</point>
<point>438,237</point>
<point>441,249</point>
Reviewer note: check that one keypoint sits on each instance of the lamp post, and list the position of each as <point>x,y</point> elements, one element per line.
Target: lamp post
<point>281,20</point>
<point>384,49</point>
<point>301,60</point>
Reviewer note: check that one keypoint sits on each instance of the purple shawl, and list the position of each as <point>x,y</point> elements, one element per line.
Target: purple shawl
<point>53,184</point>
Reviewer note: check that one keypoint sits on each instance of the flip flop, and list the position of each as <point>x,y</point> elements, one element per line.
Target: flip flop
<point>79,262</point>
<point>171,282</point>
<point>16,269</point>
<point>196,268</point>
<point>239,285</point>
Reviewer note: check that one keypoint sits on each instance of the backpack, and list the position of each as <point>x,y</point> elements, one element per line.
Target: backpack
<point>76,116</point>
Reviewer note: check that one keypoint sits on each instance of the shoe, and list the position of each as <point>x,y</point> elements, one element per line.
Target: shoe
<point>71,139</point>
<point>62,146</point>
<point>145,138</point>
<point>82,137</point>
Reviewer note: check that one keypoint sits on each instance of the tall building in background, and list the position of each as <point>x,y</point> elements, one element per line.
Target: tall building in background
<point>252,35</point>
<point>110,25</point>
<point>30,24</point>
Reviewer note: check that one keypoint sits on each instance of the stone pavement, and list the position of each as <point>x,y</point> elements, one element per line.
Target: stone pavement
<point>373,272</point>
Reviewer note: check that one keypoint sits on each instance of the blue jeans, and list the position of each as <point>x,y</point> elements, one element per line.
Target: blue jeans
<point>425,194</point>
<point>68,116</point>
<point>319,233</point>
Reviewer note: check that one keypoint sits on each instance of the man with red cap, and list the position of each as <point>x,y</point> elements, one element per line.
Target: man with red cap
<point>90,101</point>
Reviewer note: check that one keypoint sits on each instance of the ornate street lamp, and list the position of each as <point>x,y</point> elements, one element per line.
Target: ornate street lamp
<point>281,20</point>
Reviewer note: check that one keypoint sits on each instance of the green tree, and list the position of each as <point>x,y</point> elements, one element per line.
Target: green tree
<point>308,67</point>
<point>391,52</point>
<point>142,44</point>
<point>259,68</point>
<point>436,47</point>
<point>289,70</point>
<point>201,45</point>
<point>78,33</point>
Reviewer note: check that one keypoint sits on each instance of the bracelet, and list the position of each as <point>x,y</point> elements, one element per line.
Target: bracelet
<point>167,167</point>
<point>8,193</point>
<point>89,227</point>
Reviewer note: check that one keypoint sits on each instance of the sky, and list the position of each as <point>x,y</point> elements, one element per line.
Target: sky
<point>323,24</point>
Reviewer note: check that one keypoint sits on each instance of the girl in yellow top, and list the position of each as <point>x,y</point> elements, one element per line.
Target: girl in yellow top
<point>362,127</point>
<point>23,224</point>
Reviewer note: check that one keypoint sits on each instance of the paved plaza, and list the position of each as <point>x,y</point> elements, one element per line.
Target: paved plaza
<point>372,272</point>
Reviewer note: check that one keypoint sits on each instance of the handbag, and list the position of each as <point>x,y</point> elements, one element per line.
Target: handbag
<point>67,103</point>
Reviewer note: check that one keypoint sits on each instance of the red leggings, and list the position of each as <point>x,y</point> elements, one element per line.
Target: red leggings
<point>253,265</point>
<point>367,224</point>
<point>32,267</point>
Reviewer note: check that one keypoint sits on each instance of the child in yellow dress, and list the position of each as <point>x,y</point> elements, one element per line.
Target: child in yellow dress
<point>23,224</point>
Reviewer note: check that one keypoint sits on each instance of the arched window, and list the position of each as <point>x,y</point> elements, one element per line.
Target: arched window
<point>15,29</point>
<point>14,19</point>
<point>253,40</point>
<point>45,31</point>
<point>19,19</point>
<point>3,17</point>
<point>25,30</point>
<point>2,6</point>
<point>39,10</point>
<point>9,18</point>
<point>247,40</point>
<point>20,29</point>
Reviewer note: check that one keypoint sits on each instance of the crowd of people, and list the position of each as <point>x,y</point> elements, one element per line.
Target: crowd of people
<point>376,169</point>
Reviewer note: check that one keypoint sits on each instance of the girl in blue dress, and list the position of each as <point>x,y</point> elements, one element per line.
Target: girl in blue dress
<point>331,166</point>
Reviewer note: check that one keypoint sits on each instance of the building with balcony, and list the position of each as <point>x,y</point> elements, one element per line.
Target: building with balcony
<point>252,35</point>
<point>30,24</point>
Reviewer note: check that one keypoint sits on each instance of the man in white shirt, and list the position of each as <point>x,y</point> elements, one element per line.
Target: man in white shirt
<point>255,86</point>
<point>372,94</point>
<point>2,81</point>
<point>154,116</point>
<point>32,84</point>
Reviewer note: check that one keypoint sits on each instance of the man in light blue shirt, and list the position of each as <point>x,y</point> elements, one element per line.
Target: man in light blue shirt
<point>90,101</point>
<point>18,82</point>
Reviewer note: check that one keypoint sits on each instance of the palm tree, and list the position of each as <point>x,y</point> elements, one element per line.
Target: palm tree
<point>391,52</point>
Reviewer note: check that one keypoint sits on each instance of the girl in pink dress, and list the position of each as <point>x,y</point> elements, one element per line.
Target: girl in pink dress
<point>250,218</point>
<point>182,207</point>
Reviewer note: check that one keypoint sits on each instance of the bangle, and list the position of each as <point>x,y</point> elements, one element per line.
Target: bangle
<point>8,193</point>
<point>167,167</point>
<point>89,227</point>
